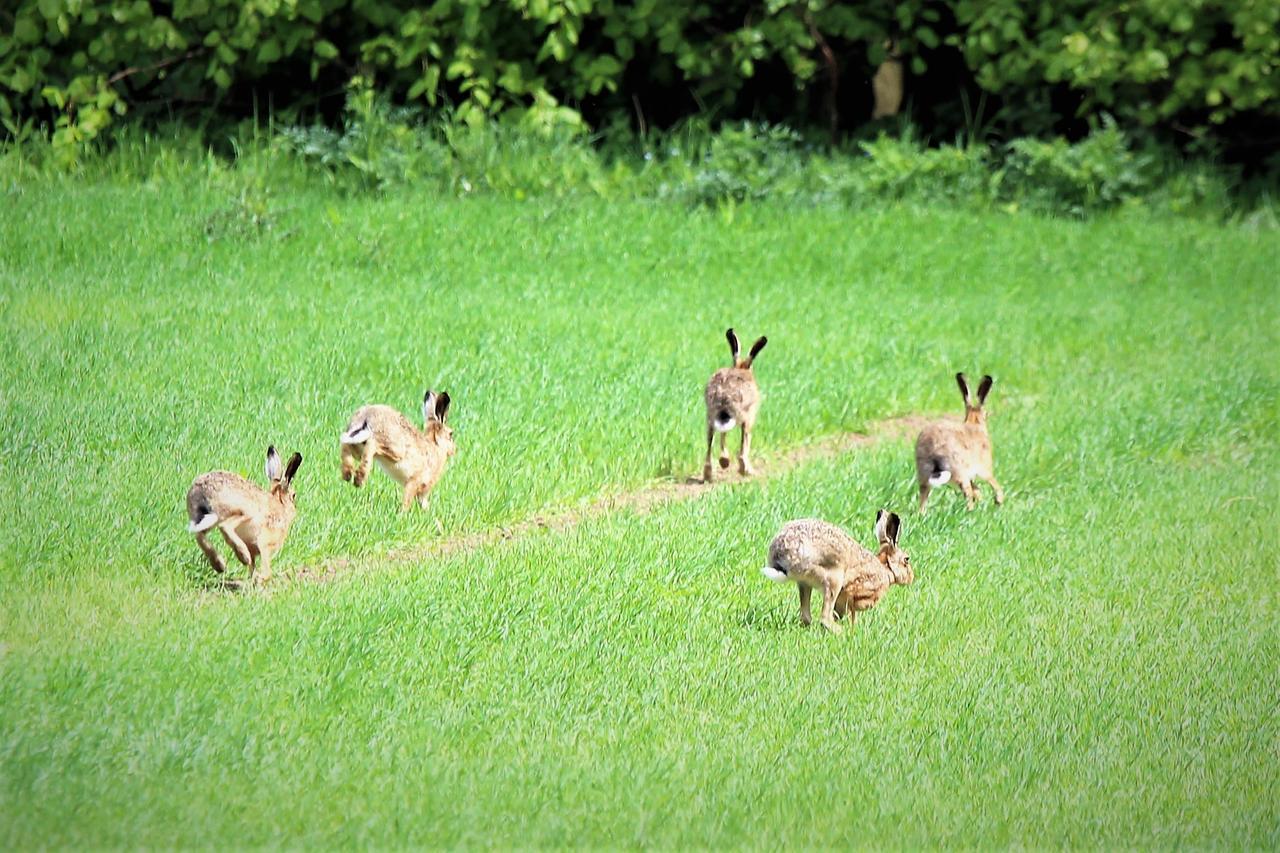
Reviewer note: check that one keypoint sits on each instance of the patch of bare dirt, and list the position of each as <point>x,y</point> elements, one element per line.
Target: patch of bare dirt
<point>641,501</point>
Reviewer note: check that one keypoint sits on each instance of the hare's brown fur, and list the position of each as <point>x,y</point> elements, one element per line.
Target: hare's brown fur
<point>947,451</point>
<point>816,554</point>
<point>253,521</point>
<point>733,399</point>
<point>414,458</point>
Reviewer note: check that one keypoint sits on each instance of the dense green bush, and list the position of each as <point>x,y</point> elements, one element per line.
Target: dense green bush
<point>902,168</point>
<point>1150,61</point>
<point>1098,172</point>
<point>79,63</point>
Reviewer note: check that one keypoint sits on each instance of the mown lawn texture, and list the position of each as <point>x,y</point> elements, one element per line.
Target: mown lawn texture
<point>1095,663</point>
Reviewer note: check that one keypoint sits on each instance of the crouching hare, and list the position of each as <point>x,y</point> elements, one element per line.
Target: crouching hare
<point>950,452</point>
<point>733,399</point>
<point>253,521</point>
<point>413,458</point>
<point>816,554</point>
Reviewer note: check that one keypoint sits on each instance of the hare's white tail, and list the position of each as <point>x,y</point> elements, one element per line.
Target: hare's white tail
<point>205,521</point>
<point>357,435</point>
<point>774,574</point>
<point>723,421</point>
<point>941,474</point>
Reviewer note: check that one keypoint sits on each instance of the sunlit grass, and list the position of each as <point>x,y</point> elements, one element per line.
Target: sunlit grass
<point>1094,663</point>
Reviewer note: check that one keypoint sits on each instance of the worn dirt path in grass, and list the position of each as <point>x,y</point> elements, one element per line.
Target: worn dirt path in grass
<point>639,501</point>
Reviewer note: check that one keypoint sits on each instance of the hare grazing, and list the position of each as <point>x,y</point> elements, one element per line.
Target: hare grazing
<point>949,452</point>
<point>414,459</point>
<point>253,521</point>
<point>816,554</point>
<point>733,399</point>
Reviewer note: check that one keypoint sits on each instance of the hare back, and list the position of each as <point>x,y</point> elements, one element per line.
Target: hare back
<point>224,494</point>
<point>810,549</point>
<point>383,421</point>
<point>734,391</point>
<point>963,449</point>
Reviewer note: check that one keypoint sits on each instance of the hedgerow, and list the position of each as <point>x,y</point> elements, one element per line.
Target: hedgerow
<point>77,65</point>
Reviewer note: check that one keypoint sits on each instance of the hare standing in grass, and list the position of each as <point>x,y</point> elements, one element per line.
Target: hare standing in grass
<point>950,452</point>
<point>414,459</point>
<point>733,399</point>
<point>816,554</point>
<point>253,521</point>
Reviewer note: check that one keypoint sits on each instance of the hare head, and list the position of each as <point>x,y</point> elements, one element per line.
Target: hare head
<point>738,361</point>
<point>973,412</point>
<point>434,408</point>
<point>281,480</point>
<point>888,526</point>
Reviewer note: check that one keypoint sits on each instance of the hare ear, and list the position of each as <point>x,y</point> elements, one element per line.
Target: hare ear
<point>882,518</point>
<point>756,347</point>
<point>733,344</point>
<point>892,527</point>
<point>273,464</point>
<point>292,468</point>
<point>428,406</point>
<point>964,387</point>
<point>442,405</point>
<point>984,388</point>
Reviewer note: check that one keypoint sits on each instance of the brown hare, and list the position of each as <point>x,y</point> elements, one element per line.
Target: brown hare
<point>950,452</point>
<point>413,458</point>
<point>733,399</point>
<point>254,521</point>
<point>817,554</point>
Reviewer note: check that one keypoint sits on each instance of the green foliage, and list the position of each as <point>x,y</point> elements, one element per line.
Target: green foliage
<point>1100,171</point>
<point>902,168</point>
<point>744,163</point>
<point>382,146</point>
<point>80,63</point>
<point>1150,61</point>
<point>379,146</point>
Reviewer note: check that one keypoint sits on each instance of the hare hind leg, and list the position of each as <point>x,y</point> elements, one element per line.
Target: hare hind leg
<point>744,453</point>
<point>830,591</point>
<point>990,480</point>
<point>350,460</point>
<point>228,526</point>
<point>706,467</point>
<point>925,488</point>
<point>367,452</point>
<point>210,553</point>
<point>806,618</point>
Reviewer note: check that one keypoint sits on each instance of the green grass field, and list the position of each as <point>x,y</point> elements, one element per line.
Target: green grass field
<point>1095,663</point>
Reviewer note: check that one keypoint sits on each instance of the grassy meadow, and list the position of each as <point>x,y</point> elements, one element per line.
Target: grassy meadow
<point>1096,663</point>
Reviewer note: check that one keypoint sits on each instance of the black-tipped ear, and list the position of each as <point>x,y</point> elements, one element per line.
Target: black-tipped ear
<point>984,388</point>
<point>428,405</point>
<point>273,463</point>
<point>757,346</point>
<point>442,405</point>
<point>892,527</point>
<point>880,522</point>
<point>292,468</point>
<point>733,344</point>
<point>964,387</point>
